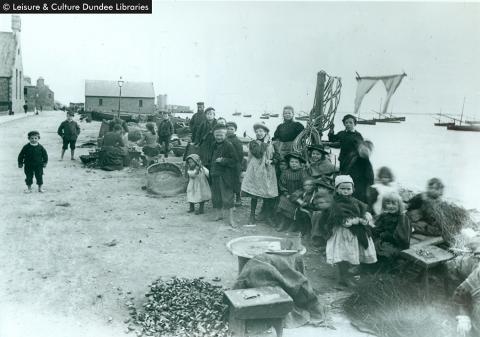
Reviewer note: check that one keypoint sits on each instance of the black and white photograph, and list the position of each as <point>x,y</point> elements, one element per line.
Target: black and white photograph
<point>239,168</point>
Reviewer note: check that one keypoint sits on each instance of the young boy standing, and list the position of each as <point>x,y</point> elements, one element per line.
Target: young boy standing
<point>165,131</point>
<point>69,131</point>
<point>33,157</point>
<point>222,173</point>
<point>237,144</point>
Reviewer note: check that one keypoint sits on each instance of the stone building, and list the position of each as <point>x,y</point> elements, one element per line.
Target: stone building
<point>104,96</point>
<point>39,96</point>
<point>11,69</point>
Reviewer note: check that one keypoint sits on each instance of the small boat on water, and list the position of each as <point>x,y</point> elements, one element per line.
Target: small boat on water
<point>443,123</point>
<point>247,115</point>
<point>100,116</point>
<point>460,127</point>
<point>454,127</point>
<point>472,122</point>
<point>264,117</point>
<point>274,115</point>
<point>366,121</point>
<point>236,113</point>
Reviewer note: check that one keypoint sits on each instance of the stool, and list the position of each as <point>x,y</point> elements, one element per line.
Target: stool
<point>268,303</point>
<point>427,257</point>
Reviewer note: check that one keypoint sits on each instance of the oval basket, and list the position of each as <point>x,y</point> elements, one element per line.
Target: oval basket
<point>166,179</point>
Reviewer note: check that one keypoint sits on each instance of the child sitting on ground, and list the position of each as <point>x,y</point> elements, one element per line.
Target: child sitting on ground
<point>392,229</point>
<point>303,199</point>
<point>291,180</point>
<point>33,158</point>
<point>322,202</point>
<point>319,163</point>
<point>198,189</point>
<point>421,207</point>
<point>349,223</point>
<point>385,185</point>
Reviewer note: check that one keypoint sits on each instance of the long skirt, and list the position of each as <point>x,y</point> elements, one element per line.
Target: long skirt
<point>112,158</point>
<point>260,180</point>
<point>222,193</point>
<point>343,246</point>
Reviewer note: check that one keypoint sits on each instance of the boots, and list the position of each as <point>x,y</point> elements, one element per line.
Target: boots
<point>219,214</point>
<point>200,208</point>
<point>231,220</point>
<point>252,221</point>
<point>192,207</point>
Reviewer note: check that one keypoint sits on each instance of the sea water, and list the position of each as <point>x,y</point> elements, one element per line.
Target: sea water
<point>416,151</point>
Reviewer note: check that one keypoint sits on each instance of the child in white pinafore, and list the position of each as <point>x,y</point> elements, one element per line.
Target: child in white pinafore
<point>349,224</point>
<point>198,189</point>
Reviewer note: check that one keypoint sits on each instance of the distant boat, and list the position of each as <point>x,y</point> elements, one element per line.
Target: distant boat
<point>264,117</point>
<point>389,120</point>
<point>237,113</point>
<point>472,122</point>
<point>303,118</point>
<point>366,121</point>
<point>463,128</point>
<point>247,115</point>
<point>444,124</point>
<point>274,115</point>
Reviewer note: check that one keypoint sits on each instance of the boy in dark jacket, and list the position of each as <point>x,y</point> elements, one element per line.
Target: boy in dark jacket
<point>237,144</point>
<point>69,131</point>
<point>222,173</point>
<point>165,132</point>
<point>33,157</point>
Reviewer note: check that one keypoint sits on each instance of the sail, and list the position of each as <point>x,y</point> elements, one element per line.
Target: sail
<point>365,84</point>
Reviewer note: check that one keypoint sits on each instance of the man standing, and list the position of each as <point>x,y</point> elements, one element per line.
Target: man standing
<point>197,119</point>
<point>25,107</point>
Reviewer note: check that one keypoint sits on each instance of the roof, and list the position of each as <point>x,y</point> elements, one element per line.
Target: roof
<point>8,47</point>
<point>102,88</point>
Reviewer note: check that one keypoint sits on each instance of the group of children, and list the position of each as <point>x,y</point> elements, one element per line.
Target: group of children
<point>303,192</point>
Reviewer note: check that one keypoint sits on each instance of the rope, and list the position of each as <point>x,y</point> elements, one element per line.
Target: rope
<point>317,123</point>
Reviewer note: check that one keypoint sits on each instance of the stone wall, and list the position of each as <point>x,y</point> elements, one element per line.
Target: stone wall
<point>127,104</point>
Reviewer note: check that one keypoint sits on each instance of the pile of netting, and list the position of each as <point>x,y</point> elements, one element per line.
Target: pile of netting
<point>390,306</point>
<point>182,307</point>
<point>323,112</point>
<point>450,218</point>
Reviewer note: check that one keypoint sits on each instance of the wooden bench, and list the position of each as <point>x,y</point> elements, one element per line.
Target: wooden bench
<point>266,303</point>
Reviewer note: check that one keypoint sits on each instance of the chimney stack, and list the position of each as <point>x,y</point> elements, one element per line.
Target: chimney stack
<point>16,24</point>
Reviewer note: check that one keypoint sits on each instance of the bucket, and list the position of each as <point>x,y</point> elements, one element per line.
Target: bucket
<point>166,179</point>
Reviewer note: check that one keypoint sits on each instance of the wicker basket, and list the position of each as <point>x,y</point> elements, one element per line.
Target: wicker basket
<point>166,179</point>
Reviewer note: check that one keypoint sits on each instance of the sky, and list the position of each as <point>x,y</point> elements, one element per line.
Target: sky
<point>260,56</point>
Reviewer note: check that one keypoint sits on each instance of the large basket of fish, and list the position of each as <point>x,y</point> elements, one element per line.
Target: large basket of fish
<point>166,179</point>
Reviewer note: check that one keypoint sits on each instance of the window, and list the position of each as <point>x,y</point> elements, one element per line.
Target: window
<point>20,85</point>
<point>25,91</point>
<point>100,101</point>
<point>49,95</point>
<point>140,103</point>
<point>16,83</point>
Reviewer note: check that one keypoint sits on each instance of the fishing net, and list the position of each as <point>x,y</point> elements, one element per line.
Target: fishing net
<point>449,217</point>
<point>390,306</point>
<point>327,98</point>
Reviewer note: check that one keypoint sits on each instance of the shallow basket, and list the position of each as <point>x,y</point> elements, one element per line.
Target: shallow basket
<point>166,179</point>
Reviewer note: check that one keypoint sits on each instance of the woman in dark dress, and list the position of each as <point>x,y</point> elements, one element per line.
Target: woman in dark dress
<point>286,132</point>
<point>204,137</point>
<point>349,140</point>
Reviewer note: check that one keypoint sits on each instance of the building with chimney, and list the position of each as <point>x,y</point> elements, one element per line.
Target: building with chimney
<point>38,96</point>
<point>11,69</point>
